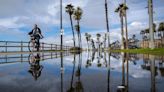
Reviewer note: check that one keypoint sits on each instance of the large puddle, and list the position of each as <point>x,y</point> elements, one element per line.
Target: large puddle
<point>86,72</point>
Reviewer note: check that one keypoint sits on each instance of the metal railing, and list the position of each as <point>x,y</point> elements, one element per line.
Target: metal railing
<point>21,46</point>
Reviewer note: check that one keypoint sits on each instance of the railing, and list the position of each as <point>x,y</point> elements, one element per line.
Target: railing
<point>8,59</point>
<point>21,46</point>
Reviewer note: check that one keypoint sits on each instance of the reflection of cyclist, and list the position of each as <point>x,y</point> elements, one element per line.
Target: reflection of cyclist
<point>36,33</point>
<point>35,67</point>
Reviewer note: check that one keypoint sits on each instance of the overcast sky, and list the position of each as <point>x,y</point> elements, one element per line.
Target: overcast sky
<point>17,18</point>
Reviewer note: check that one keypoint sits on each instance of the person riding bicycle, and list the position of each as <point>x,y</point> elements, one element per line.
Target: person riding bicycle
<point>36,33</point>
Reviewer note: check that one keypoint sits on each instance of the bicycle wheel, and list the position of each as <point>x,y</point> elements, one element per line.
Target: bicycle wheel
<point>31,46</point>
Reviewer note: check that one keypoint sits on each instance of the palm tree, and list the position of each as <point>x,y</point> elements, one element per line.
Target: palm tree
<point>77,16</point>
<point>126,26</point>
<point>70,10</point>
<point>98,40</point>
<point>105,38</point>
<point>147,32</point>
<point>87,39</point>
<point>107,22</point>
<point>121,10</point>
<point>161,29</point>
<point>142,33</point>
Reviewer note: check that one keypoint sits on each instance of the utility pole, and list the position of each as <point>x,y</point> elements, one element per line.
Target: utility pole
<point>126,27</point>
<point>107,23</point>
<point>151,29</point>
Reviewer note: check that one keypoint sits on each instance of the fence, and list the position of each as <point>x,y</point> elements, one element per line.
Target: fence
<point>20,46</point>
<point>8,59</point>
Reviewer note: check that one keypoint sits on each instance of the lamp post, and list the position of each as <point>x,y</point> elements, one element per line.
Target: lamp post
<point>61,46</point>
<point>61,25</point>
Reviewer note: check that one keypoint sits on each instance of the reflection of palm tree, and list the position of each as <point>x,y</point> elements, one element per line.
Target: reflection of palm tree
<point>99,59</point>
<point>73,71</point>
<point>79,86</point>
<point>35,67</point>
<point>70,10</point>
<point>88,63</point>
<point>93,55</point>
<point>124,86</point>
<point>93,44</point>
<point>98,40</point>
<point>77,17</point>
<point>108,67</point>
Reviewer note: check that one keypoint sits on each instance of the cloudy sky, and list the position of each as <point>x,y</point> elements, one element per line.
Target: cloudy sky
<point>17,18</point>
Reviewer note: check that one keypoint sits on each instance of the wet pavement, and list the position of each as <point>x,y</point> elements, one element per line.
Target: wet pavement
<point>85,72</point>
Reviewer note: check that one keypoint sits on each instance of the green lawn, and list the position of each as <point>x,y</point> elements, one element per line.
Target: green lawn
<point>157,51</point>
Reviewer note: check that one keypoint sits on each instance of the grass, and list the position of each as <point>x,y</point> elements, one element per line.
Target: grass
<point>156,51</point>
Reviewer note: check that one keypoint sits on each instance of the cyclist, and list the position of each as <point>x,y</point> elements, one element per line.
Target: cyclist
<point>36,33</point>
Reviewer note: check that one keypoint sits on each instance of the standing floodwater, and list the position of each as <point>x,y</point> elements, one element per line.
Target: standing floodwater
<point>85,72</point>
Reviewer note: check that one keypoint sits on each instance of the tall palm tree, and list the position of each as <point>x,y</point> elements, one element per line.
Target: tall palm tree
<point>125,8</point>
<point>121,10</point>
<point>77,16</point>
<point>161,30</point>
<point>70,10</point>
<point>107,22</point>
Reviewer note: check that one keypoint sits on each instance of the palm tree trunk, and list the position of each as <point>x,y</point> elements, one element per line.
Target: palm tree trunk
<point>151,29</point>
<point>107,23</point>
<point>162,37</point>
<point>88,45</point>
<point>72,31</point>
<point>80,42</point>
<point>78,39</point>
<point>122,33</point>
<point>126,27</point>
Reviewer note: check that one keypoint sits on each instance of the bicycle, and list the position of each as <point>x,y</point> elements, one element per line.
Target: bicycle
<point>33,44</point>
